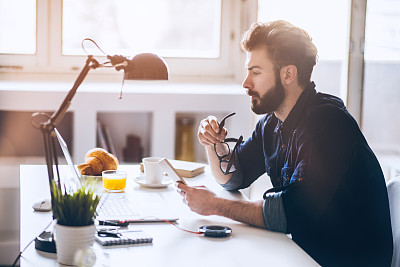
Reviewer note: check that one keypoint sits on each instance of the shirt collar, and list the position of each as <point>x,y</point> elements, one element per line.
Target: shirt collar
<point>297,111</point>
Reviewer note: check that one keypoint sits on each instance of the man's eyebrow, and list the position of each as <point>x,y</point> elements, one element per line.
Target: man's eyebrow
<point>254,67</point>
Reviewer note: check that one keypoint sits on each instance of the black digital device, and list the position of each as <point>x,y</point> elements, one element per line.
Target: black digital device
<point>45,242</point>
<point>215,230</point>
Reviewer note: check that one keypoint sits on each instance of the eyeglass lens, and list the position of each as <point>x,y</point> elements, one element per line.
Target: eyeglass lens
<point>224,166</point>
<point>222,149</point>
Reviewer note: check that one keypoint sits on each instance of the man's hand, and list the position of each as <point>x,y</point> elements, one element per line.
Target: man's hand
<point>208,136</point>
<point>199,199</point>
<point>208,132</point>
<point>204,202</point>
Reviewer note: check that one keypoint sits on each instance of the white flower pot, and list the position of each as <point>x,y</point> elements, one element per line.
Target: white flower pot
<point>69,239</point>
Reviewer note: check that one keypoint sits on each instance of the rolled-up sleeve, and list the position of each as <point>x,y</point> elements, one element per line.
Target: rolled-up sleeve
<point>274,213</point>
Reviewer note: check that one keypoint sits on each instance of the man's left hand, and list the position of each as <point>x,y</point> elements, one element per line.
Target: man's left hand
<point>198,198</point>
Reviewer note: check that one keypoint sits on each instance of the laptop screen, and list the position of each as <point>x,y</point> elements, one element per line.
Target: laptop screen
<point>67,156</point>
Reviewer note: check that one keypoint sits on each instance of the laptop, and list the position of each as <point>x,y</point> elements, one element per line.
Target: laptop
<point>68,157</point>
<point>131,207</point>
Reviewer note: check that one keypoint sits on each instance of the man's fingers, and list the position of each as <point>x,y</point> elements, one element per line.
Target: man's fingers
<point>182,189</point>
<point>200,186</point>
<point>208,131</point>
<point>224,133</point>
<point>208,127</point>
<point>207,138</point>
<point>181,186</point>
<point>212,120</point>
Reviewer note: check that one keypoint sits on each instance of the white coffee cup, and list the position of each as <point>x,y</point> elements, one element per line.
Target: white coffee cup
<point>152,170</point>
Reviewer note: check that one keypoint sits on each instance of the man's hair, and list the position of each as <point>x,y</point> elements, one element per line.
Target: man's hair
<point>286,45</point>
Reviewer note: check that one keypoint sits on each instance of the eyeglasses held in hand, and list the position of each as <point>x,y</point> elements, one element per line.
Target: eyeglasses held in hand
<point>225,155</point>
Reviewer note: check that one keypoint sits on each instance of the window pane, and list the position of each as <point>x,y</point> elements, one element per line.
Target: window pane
<point>18,27</point>
<point>329,29</point>
<point>380,122</point>
<point>170,28</point>
<point>382,32</point>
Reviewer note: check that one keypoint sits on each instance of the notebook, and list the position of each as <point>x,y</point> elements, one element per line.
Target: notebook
<point>124,238</point>
<point>131,207</point>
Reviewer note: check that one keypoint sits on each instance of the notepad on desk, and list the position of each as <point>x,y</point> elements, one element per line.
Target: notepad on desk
<point>185,169</point>
<point>124,238</point>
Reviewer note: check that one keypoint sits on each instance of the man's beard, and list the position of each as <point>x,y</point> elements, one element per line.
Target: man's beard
<point>271,100</point>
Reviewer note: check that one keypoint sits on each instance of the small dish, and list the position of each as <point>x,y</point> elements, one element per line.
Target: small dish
<point>141,180</point>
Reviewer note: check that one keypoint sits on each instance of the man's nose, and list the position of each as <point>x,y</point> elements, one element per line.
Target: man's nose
<point>246,83</point>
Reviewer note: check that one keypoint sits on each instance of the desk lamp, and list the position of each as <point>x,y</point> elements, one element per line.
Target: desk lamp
<point>146,66</point>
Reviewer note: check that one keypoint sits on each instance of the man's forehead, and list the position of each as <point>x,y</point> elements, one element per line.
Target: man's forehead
<point>257,57</point>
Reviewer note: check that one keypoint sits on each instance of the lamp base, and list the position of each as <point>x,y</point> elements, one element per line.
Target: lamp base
<point>45,242</point>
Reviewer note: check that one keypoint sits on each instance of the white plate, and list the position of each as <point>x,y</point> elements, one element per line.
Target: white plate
<point>142,181</point>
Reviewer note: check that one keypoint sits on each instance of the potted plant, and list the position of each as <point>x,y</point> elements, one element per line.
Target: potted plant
<point>74,211</point>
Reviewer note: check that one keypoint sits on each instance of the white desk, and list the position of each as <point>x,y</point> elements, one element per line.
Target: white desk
<point>247,246</point>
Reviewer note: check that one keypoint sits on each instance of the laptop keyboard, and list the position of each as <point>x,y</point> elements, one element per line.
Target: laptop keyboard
<point>120,206</point>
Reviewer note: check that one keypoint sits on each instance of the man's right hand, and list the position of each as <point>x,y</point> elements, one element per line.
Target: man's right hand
<point>208,136</point>
<point>208,132</point>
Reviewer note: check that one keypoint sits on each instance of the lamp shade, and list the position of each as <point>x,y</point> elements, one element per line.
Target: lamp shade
<point>146,66</point>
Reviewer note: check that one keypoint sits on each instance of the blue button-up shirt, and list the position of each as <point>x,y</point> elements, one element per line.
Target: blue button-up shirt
<point>331,185</point>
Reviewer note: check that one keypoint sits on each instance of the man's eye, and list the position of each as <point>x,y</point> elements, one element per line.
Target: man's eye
<point>255,73</point>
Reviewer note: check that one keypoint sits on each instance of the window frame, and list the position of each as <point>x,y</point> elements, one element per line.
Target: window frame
<point>49,58</point>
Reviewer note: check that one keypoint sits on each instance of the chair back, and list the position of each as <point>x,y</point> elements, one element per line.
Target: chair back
<point>393,188</point>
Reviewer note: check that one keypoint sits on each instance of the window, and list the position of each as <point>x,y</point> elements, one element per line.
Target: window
<point>195,38</point>
<point>381,96</point>
<point>19,35</point>
<point>329,28</point>
<point>166,27</point>
<point>21,21</point>
<point>382,32</point>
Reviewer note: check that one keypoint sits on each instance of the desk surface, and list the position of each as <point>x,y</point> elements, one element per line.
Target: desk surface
<point>247,246</point>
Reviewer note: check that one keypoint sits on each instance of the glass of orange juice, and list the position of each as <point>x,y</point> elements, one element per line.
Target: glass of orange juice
<point>114,180</point>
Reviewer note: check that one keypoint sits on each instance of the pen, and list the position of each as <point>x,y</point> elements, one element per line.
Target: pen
<point>108,234</point>
<point>114,223</point>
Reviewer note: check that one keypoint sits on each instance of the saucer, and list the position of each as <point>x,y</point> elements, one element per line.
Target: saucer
<point>141,180</point>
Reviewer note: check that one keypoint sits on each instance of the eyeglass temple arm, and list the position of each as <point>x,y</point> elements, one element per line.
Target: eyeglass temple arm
<point>231,139</point>
<point>221,125</point>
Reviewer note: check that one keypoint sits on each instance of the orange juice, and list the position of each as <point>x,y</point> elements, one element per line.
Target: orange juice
<point>114,180</point>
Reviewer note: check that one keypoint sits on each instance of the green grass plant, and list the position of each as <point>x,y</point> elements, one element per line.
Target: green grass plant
<point>76,207</point>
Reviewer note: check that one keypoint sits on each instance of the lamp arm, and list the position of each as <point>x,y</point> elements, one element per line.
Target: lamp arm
<point>47,127</point>
<point>91,63</point>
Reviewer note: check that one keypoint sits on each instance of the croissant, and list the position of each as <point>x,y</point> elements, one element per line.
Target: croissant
<point>96,161</point>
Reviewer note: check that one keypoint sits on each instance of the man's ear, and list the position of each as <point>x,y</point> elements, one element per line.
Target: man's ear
<point>289,74</point>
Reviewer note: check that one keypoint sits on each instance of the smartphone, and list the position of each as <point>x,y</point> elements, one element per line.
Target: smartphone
<point>170,170</point>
